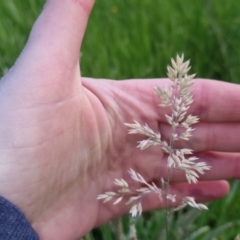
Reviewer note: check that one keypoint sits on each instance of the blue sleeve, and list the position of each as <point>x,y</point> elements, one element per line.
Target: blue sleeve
<point>13,224</point>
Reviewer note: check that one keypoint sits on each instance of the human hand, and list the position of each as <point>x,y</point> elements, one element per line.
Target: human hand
<point>63,139</point>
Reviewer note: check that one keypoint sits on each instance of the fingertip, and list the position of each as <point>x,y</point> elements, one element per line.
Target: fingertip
<point>86,5</point>
<point>209,190</point>
<point>225,187</point>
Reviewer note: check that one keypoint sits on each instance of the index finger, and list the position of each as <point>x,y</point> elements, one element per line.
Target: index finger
<point>216,101</point>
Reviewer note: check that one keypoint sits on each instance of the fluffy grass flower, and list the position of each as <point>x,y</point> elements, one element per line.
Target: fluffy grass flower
<point>177,97</point>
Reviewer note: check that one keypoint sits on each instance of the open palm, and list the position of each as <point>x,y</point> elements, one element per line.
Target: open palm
<point>63,139</point>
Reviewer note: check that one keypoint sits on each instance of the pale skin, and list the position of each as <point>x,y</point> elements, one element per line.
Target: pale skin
<point>63,139</point>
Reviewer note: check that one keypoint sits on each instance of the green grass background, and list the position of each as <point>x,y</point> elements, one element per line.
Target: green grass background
<point>135,39</point>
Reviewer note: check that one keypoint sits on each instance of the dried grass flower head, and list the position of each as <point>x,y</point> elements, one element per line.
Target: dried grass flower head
<point>178,98</point>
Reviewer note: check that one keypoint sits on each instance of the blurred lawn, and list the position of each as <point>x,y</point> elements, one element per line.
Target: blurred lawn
<point>136,39</point>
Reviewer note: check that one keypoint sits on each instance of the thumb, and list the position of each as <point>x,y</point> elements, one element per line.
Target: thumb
<point>55,40</point>
<point>47,70</point>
